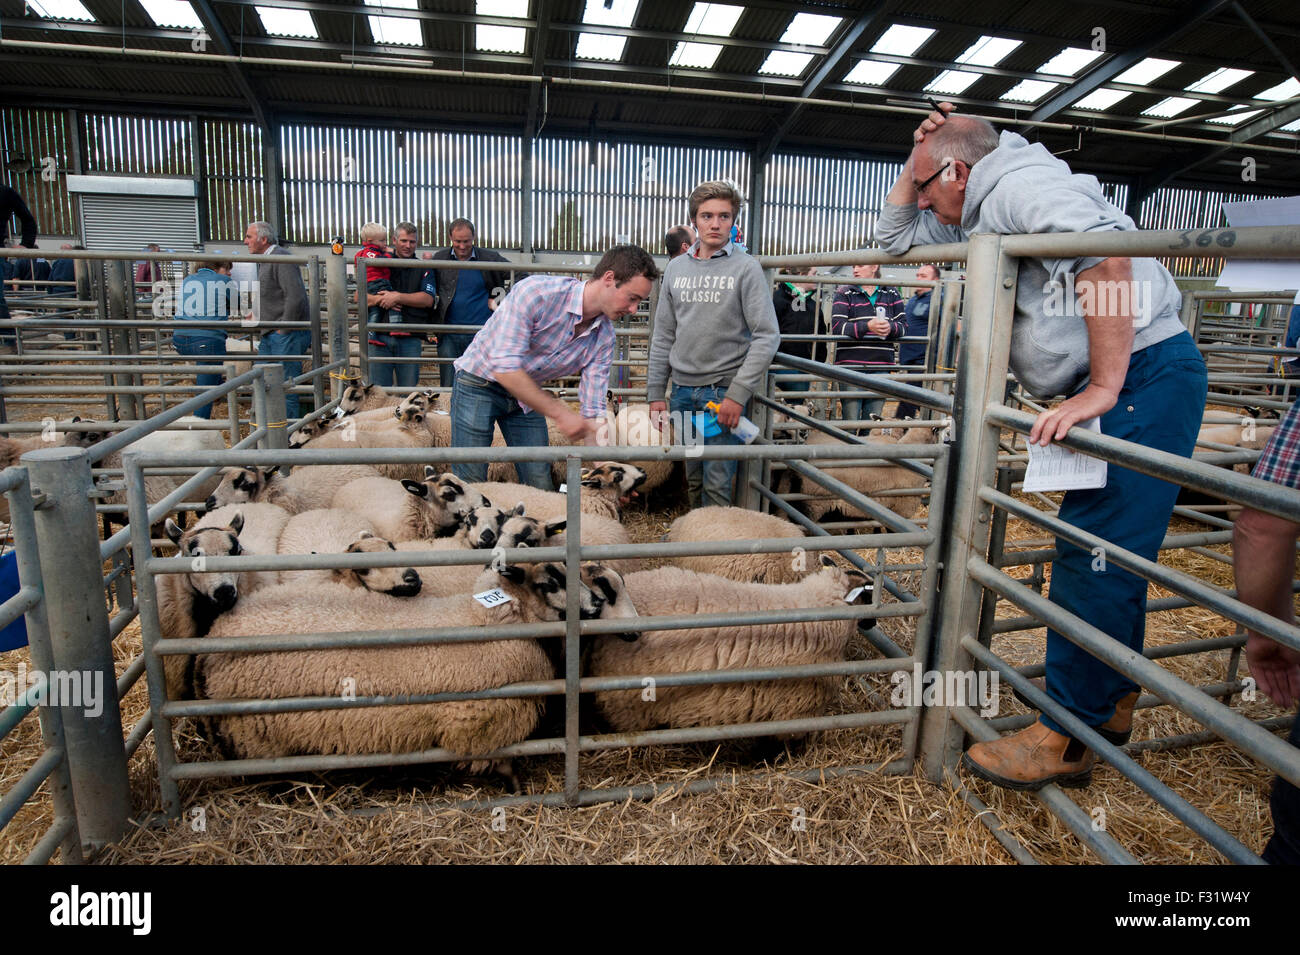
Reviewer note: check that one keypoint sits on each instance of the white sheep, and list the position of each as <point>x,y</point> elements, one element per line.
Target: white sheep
<point>184,434</point>
<point>307,488</point>
<point>868,480</point>
<point>410,510</point>
<point>262,524</point>
<point>630,426</point>
<point>336,531</point>
<point>738,524</point>
<point>407,432</point>
<point>671,591</point>
<point>603,489</point>
<point>470,728</point>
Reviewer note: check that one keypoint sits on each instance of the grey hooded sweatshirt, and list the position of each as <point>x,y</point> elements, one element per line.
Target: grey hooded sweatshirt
<point>1018,189</point>
<point>715,323</point>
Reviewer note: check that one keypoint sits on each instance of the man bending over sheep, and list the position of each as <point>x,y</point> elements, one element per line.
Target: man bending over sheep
<point>547,327</point>
<point>1136,368</point>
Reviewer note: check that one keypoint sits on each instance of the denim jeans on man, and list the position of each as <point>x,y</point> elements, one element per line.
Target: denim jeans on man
<point>295,342</point>
<point>450,347</point>
<point>206,346</point>
<point>707,482</point>
<point>858,409</point>
<point>386,374</point>
<point>1160,406</point>
<point>477,404</point>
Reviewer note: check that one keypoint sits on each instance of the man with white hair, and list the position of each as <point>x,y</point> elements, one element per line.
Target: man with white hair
<point>1125,358</point>
<point>281,297</point>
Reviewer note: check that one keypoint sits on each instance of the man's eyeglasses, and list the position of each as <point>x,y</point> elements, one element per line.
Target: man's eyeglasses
<point>922,186</point>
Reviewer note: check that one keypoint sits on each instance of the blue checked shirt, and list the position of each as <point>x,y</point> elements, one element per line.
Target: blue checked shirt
<point>538,329</point>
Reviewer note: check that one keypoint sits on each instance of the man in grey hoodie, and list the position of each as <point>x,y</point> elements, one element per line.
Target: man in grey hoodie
<point>1106,333</point>
<point>715,333</point>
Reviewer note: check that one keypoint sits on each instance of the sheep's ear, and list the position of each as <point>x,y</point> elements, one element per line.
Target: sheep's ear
<point>173,531</point>
<point>827,561</point>
<point>513,573</point>
<point>237,522</point>
<point>429,471</point>
<point>591,479</point>
<point>76,418</point>
<point>555,527</point>
<point>415,487</point>
<point>449,492</point>
<point>362,535</point>
<point>269,473</point>
<point>519,510</point>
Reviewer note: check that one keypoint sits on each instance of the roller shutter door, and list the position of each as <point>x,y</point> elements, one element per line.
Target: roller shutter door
<point>125,223</point>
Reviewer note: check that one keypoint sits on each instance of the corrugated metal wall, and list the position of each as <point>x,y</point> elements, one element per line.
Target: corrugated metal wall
<point>586,194</point>
<point>336,179</point>
<point>41,138</point>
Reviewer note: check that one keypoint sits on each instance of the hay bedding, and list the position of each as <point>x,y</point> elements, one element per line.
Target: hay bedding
<point>418,815</point>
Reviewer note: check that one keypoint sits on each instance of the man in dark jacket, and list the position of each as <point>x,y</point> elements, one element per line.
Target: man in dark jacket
<point>281,297</point>
<point>11,205</point>
<point>465,296</point>
<point>414,296</point>
<point>796,314</point>
<point>918,325</point>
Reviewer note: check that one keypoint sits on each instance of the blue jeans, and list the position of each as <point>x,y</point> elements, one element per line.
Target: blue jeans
<point>296,342</point>
<point>707,482</point>
<point>476,405</point>
<point>1160,406</point>
<point>402,374</point>
<point>790,385</point>
<point>450,347</point>
<point>858,409</point>
<point>205,347</point>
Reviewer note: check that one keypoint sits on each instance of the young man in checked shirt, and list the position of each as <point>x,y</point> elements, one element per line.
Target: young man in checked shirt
<point>547,327</point>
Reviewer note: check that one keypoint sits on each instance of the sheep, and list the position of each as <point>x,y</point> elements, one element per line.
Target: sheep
<point>307,488</point>
<point>334,531</point>
<point>603,488</point>
<point>12,449</point>
<point>672,590</point>
<point>469,728</point>
<point>504,471</point>
<point>630,426</point>
<point>407,432</point>
<point>408,510</point>
<point>184,434</point>
<point>866,480</point>
<point>307,431</point>
<point>734,524</point>
<point>188,604</point>
<point>1237,435</point>
<point>368,397</point>
<point>239,346</point>
<point>262,526</point>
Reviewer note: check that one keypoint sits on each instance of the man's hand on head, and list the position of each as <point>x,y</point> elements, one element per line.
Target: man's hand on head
<point>932,122</point>
<point>1053,423</point>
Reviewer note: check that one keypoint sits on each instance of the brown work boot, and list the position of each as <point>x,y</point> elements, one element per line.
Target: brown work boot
<point>1031,759</point>
<point>1117,730</point>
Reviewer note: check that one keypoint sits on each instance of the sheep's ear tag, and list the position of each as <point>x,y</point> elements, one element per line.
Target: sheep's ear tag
<point>493,598</point>
<point>564,489</point>
<point>854,594</point>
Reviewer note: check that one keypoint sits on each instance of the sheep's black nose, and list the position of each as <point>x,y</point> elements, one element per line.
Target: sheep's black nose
<point>410,577</point>
<point>225,596</point>
<point>211,503</point>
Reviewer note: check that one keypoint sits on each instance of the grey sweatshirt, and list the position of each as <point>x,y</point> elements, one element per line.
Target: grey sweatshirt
<point>714,323</point>
<point>1018,189</point>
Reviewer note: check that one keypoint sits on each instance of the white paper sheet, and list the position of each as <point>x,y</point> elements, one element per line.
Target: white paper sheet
<point>1274,275</point>
<point>1055,468</point>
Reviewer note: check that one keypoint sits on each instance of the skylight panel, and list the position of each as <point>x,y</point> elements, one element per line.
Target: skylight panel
<point>619,13</point>
<point>1234,119</point>
<point>810,29</point>
<point>1284,90</point>
<point>279,21</point>
<point>713,19</point>
<point>1101,99</point>
<point>1170,106</point>
<point>395,31</point>
<point>952,81</point>
<point>785,63</point>
<point>988,51</point>
<point>1028,91</point>
<point>871,73</point>
<point>494,39</point>
<point>899,40</point>
<point>600,46</point>
<point>1292,127</point>
<point>1069,61</point>
<point>516,9</point>
<point>172,13</point>
<point>698,55</point>
<point>1150,69</point>
<point>61,10</point>
<point>1219,80</point>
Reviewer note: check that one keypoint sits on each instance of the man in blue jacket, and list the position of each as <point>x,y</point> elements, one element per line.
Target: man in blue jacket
<point>918,325</point>
<point>1125,358</point>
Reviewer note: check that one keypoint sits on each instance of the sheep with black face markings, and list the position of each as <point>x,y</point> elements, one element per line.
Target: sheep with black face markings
<point>336,531</point>
<point>308,488</point>
<point>671,591</point>
<point>262,526</point>
<point>468,728</point>
<point>604,487</point>
<point>410,510</point>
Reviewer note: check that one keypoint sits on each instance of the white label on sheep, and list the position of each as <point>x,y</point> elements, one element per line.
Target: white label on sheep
<point>854,594</point>
<point>564,488</point>
<point>493,598</point>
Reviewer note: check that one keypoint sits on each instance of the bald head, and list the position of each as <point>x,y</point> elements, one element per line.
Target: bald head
<point>960,137</point>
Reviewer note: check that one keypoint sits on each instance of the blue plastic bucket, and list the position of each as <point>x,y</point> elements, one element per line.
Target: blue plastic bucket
<point>15,635</point>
